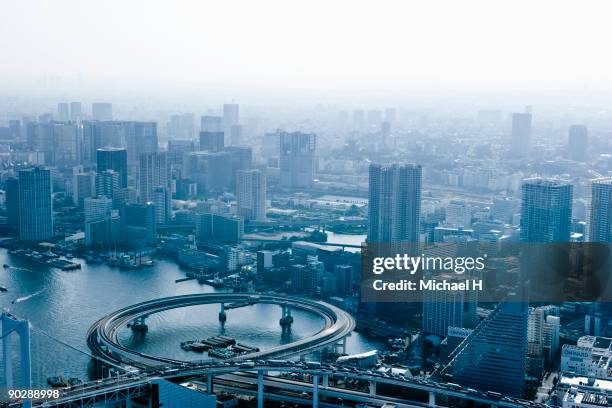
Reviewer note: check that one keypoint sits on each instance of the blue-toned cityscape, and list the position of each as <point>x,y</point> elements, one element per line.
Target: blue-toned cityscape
<point>180,227</point>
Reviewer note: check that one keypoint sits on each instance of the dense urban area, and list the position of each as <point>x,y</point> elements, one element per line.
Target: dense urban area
<point>248,202</point>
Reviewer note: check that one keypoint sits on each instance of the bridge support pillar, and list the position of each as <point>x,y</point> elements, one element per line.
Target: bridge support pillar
<point>372,388</point>
<point>432,399</point>
<point>340,348</point>
<point>222,314</point>
<point>139,325</point>
<point>209,383</point>
<point>128,403</point>
<point>12,324</point>
<point>260,387</point>
<point>286,318</point>
<point>325,381</point>
<point>315,391</point>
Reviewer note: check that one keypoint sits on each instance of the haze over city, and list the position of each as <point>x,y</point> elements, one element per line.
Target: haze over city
<point>286,204</point>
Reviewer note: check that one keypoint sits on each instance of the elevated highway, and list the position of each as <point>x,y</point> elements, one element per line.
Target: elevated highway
<point>250,378</point>
<point>102,336</point>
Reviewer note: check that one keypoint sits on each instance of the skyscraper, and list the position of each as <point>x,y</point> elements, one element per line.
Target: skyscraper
<point>75,111</point>
<point>181,126</point>
<point>212,171</point>
<point>139,226</point>
<point>394,203</point>
<point>63,112</point>
<point>493,356</point>
<point>153,173</point>
<point>83,186</point>
<point>444,309</point>
<point>140,138</point>
<point>12,201</point>
<point>521,134</point>
<point>102,111</point>
<point>107,184</point>
<point>546,211</point>
<point>162,199</point>
<point>577,142</point>
<point>113,158</point>
<point>66,141</point>
<point>231,115</point>
<point>297,159</point>
<point>212,136</point>
<point>251,194</point>
<point>97,220</point>
<point>35,204</point>
<point>600,223</point>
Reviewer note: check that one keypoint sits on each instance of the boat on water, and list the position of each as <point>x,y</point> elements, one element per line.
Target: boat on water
<point>3,289</point>
<point>147,262</point>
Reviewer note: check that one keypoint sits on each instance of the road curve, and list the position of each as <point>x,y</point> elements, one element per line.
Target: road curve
<point>103,342</point>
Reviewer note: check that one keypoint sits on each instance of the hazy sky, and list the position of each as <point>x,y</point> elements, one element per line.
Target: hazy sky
<point>309,44</point>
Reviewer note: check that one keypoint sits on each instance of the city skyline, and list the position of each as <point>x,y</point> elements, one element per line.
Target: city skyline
<point>287,205</point>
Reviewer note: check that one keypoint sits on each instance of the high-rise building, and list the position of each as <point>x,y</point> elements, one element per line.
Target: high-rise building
<point>113,158</point>
<point>251,195</point>
<point>154,172</point>
<point>12,201</point>
<point>66,141</point>
<point>63,112</point>
<point>177,150</point>
<point>97,220</point>
<point>212,141</point>
<point>394,203</point>
<point>35,204</point>
<point>504,208</point>
<point>344,278</point>
<point>140,138</point>
<point>493,356</point>
<point>297,159</point>
<point>139,226</point>
<point>181,126</point>
<point>162,199</point>
<point>83,186</point>
<point>212,171</point>
<point>577,142</point>
<point>241,158</point>
<point>444,309</point>
<point>543,325</point>
<point>75,111</point>
<point>209,123</point>
<point>305,278</point>
<point>40,139</point>
<point>521,134</point>
<point>212,135</point>
<point>107,184</point>
<point>235,135</point>
<point>600,223</point>
<point>102,111</point>
<point>458,214</point>
<point>546,211</point>
<point>219,227</point>
<point>231,115</point>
